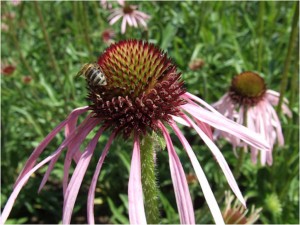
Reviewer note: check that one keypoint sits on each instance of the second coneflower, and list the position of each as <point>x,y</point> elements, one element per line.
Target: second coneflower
<point>248,102</point>
<point>135,90</point>
<point>129,14</point>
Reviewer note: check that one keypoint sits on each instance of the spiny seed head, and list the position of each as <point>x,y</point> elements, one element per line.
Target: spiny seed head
<point>143,87</point>
<point>247,88</point>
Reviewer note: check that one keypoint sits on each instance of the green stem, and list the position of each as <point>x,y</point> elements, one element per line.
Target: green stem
<point>288,56</point>
<point>96,11</point>
<point>85,27</point>
<point>150,188</point>
<point>260,33</point>
<point>14,38</point>
<point>294,92</point>
<point>49,46</point>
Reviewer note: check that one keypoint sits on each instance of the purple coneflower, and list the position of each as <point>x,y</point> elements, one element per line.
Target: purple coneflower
<point>105,4</point>
<point>248,102</point>
<point>7,69</point>
<point>142,93</point>
<point>130,15</point>
<point>16,2</point>
<point>107,36</point>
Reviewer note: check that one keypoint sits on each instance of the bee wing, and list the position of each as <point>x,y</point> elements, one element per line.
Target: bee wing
<point>82,70</point>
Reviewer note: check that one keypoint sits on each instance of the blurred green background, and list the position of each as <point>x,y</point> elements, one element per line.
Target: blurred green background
<point>48,42</point>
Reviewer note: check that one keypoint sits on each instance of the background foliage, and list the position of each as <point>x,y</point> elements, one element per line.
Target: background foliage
<point>49,41</point>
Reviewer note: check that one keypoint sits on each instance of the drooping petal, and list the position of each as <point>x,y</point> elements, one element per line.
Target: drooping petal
<point>75,138</point>
<point>129,20</point>
<point>181,189</point>
<point>91,194</point>
<point>207,192</point>
<point>123,26</point>
<point>115,19</point>
<point>190,96</point>
<point>36,153</point>
<point>22,181</point>
<point>71,127</point>
<point>87,125</point>
<point>75,182</point>
<point>136,208</point>
<point>222,123</point>
<point>220,159</point>
<point>273,98</point>
<point>180,120</point>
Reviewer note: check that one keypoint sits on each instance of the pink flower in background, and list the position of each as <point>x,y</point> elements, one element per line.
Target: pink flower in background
<point>105,4</point>
<point>248,102</point>
<point>108,36</point>
<point>26,79</point>
<point>141,92</point>
<point>7,69</point>
<point>130,15</point>
<point>16,2</point>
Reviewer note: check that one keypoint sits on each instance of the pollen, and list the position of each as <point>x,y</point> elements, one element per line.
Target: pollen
<point>143,87</point>
<point>247,88</point>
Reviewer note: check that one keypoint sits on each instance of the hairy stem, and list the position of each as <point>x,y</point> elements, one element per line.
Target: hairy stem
<point>150,188</point>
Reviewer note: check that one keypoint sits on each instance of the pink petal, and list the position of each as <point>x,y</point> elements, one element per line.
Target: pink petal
<point>134,22</point>
<point>141,21</point>
<point>180,120</point>
<point>82,131</point>
<point>205,127</point>
<point>142,15</point>
<point>220,158</point>
<point>135,193</point>
<point>123,26</point>
<point>91,194</point>
<point>36,153</point>
<point>222,123</point>
<point>273,98</point>
<point>208,194</point>
<point>76,180</point>
<point>182,194</point>
<point>129,19</point>
<point>115,19</point>
<point>277,126</point>
<point>22,181</point>
<point>71,138</point>
<point>188,95</point>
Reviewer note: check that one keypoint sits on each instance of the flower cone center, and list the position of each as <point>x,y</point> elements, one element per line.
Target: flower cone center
<point>247,88</point>
<point>142,87</point>
<point>128,9</point>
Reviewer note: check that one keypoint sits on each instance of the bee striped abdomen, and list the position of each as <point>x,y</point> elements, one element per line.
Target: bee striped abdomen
<point>96,77</point>
<point>93,74</point>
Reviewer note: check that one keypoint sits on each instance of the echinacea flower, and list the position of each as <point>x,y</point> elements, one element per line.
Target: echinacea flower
<point>130,15</point>
<point>196,64</point>
<point>248,102</point>
<point>142,93</point>
<point>105,4</point>
<point>16,2</point>
<point>26,79</point>
<point>7,69</point>
<point>107,36</point>
<point>236,213</point>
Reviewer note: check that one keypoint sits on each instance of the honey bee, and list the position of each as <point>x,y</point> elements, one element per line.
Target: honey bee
<point>93,73</point>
